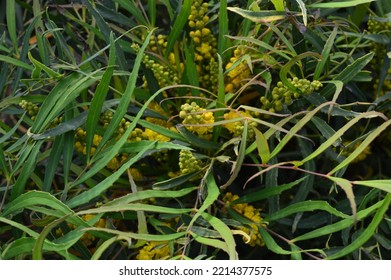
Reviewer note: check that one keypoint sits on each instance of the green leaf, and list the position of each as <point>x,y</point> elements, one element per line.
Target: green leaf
<point>299,125</point>
<point>325,54</point>
<point>259,16</point>
<point>338,226</point>
<point>38,67</point>
<point>143,195</point>
<point>104,28</point>
<point>384,185</point>
<point>213,193</point>
<point>262,146</point>
<point>137,236</point>
<point>225,233</point>
<point>34,198</point>
<point>126,98</point>
<point>152,11</point>
<point>303,11</point>
<point>196,141</point>
<point>220,100</point>
<point>348,74</point>
<point>135,207</point>
<point>11,23</point>
<point>278,5</point>
<point>266,193</point>
<point>338,4</point>
<point>86,196</point>
<point>176,181</point>
<point>223,29</point>
<point>16,62</point>
<point>179,24</point>
<point>65,92</point>
<point>53,162</point>
<point>210,242</point>
<point>305,206</point>
<point>348,188</point>
<point>39,243</point>
<point>336,137</point>
<point>31,153</point>
<point>131,7</point>
<point>358,150</point>
<point>326,130</point>
<point>99,98</point>
<point>237,165</point>
<point>367,233</point>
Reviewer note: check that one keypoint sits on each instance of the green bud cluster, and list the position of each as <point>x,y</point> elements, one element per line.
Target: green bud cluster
<point>188,163</point>
<point>192,114</point>
<point>376,26</point>
<point>106,118</point>
<point>163,71</point>
<point>380,50</point>
<point>31,108</point>
<point>205,45</point>
<point>281,94</point>
<point>236,128</point>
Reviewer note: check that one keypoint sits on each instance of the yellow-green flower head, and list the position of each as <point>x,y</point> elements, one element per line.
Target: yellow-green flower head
<point>197,119</point>
<point>136,174</point>
<point>237,76</point>
<point>153,135</point>
<point>154,250</point>
<point>251,213</point>
<point>158,109</point>
<point>188,162</point>
<point>236,127</point>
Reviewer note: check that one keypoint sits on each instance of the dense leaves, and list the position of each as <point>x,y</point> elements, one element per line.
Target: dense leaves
<point>195,129</point>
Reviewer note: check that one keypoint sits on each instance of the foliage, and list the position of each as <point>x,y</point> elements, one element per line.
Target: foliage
<point>195,130</point>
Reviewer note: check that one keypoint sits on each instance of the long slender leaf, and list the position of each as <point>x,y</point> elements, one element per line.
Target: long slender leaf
<point>305,206</point>
<point>325,54</point>
<point>86,196</point>
<point>99,98</point>
<point>367,233</point>
<point>225,233</point>
<point>339,4</point>
<point>179,24</point>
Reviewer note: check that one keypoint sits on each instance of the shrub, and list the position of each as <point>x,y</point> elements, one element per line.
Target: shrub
<point>195,130</point>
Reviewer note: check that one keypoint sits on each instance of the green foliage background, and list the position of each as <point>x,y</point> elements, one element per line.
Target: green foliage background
<point>195,130</point>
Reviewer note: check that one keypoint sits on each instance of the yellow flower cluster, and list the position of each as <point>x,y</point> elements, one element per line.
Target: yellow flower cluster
<point>158,44</point>
<point>197,119</point>
<point>154,250</point>
<point>80,142</point>
<point>251,213</point>
<point>205,45</point>
<point>154,106</point>
<point>237,75</point>
<point>236,127</point>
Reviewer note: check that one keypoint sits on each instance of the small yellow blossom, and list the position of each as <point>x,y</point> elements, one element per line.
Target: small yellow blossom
<point>251,213</point>
<point>154,250</point>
